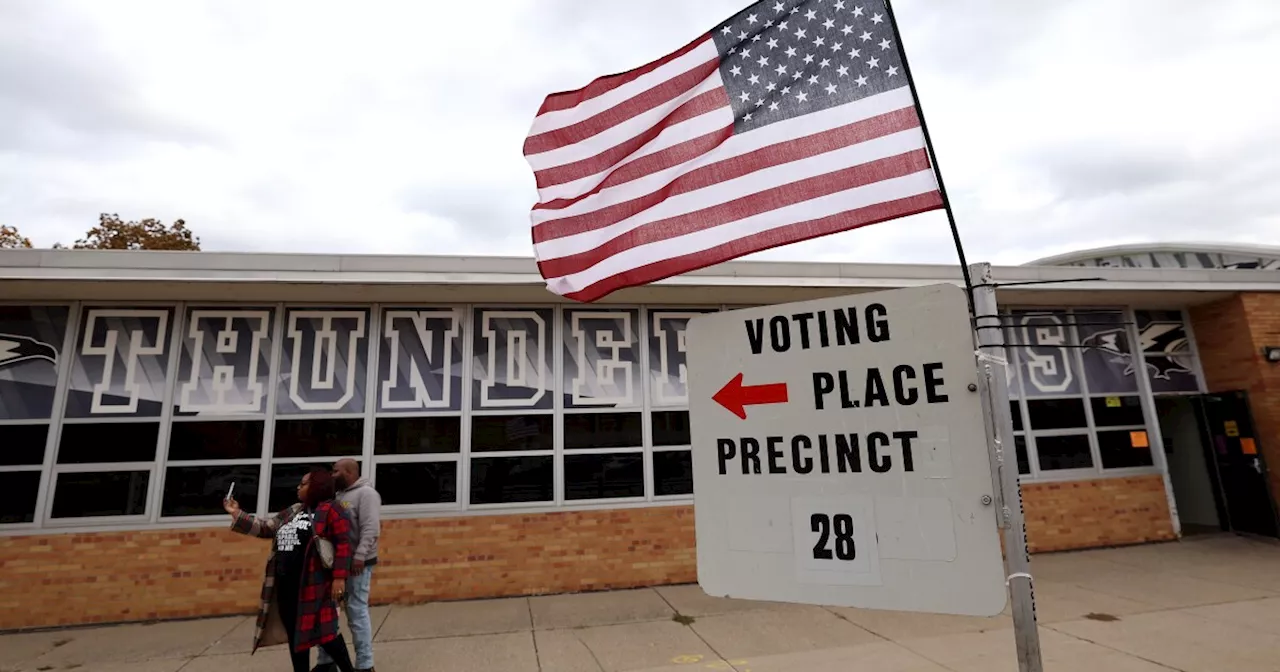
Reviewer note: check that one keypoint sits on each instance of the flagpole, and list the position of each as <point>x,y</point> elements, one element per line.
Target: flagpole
<point>998,419</point>
<point>933,157</point>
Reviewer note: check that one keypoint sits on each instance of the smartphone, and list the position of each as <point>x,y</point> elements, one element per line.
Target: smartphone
<point>230,491</point>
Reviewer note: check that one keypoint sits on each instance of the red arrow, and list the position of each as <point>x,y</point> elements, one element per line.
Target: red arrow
<point>735,396</point>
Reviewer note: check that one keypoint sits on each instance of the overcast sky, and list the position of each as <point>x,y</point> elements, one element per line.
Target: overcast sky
<point>396,127</point>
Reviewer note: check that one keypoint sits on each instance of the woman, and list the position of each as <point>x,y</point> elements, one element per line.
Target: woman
<point>299,594</point>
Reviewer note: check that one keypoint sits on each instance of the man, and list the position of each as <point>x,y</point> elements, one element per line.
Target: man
<point>362,503</point>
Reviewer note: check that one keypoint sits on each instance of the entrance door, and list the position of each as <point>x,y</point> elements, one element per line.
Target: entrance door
<point>1228,428</point>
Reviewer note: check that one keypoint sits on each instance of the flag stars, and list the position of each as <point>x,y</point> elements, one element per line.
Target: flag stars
<point>745,96</point>
<point>791,52</point>
<point>797,75</point>
<point>808,58</point>
<point>813,80</point>
<point>768,24</point>
<point>865,36</point>
<point>847,30</point>
<point>831,89</point>
<point>819,42</point>
<point>855,52</point>
<point>801,33</point>
<point>726,30</point>
<point>838,46</point>
<point>829,24</point>
<point>825,62</point>
<point>840,5</point>
<point>873,63</point>
<point>893,70</point>
<point>884,45</point>
<point>877,19</point>
<point>770,87</point>
<point>745,53</point>
<point>760,102</point>
<point>783,25</point>
<point>843,70</point>
<point>773,107</point>
<point>772,43</point>
<point>786,90</point>
<point>763,61</point>
<point>735,70</point>
<point>802,96</point>
<point>861,80</point>
<point>857,11</point>
<point>781,70</point>
<point>755,79</point>
<point>742,36</point>
<point>752,19</point>
<point>746,117</point>
<point>779,7</point>
<point>811,15</point>
<point>755,38</point>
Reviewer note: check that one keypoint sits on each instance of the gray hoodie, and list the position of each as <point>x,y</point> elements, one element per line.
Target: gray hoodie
<point>363,503</point>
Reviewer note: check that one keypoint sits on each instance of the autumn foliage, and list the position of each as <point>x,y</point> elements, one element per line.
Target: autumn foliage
<point>112,233</point>
<point>10,239</point>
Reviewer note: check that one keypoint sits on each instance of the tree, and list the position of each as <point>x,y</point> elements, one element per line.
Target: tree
<point>112,233</point>
<point>10,239</point>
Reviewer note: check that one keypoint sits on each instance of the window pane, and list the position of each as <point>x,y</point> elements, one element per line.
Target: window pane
<point>417,436</point>
<point>418,483</point>
<point>494,433</point>
<point>1114,411</point>
<point>1024,462</point>
<point>1015,409</point>
<point>218,440</point>
<point>601,358</point>
<point>284,483</point>
<point>108,442</point>
<point>603,476</point>
<point>224,362</point>
<point>1124,449</point>
<point>1064,452</point>
<point>319,438</point>
<point>19,502</point>
<point>33,338</point>
<point>22,444</point>
<point>198,491</point>
<point>671,428</point>
<point>672,472</point>
<point>112,493</point>
<point>497,480</point>
<point>602,430</point>
<point>511,363</point>
<point>322,363</point>
<point>1056,413</point>
<point>1107,354</point>
<point>121,358</point>
<point>420,368</point>
<point>1166,350</point>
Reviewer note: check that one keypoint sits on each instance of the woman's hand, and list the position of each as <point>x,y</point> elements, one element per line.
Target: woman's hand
<point>339,590</point>
<point>232,507</point>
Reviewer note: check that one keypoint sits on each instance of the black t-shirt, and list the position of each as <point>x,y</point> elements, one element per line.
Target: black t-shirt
<point>292,539</point>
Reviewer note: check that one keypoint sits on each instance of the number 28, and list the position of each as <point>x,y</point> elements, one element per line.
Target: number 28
<point>822,524</point>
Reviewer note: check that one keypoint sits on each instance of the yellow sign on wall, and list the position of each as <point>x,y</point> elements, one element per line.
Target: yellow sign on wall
<point>1232,428</point>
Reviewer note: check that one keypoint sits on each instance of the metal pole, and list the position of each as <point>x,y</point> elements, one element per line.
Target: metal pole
<point>991,367</point>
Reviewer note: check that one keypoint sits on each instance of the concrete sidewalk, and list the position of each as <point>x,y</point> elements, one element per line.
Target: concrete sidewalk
<point>1208,604</point>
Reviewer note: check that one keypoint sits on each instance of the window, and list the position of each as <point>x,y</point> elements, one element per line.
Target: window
<point>285,478</point>
<point>1081,403</point>
<point>417,436</point>
<point>219,410</point>
<point>319,438</point>
<point>111,428</point>
<point>32,338</point>
<point>512,396</point>
<point>669,397</point>
<point>418,482</point>
<point>603,404</point>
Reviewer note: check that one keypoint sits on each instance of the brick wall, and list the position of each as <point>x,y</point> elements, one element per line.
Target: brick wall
<point>51,580</point>
<point>1230,335</point>
<point>1103,512</point>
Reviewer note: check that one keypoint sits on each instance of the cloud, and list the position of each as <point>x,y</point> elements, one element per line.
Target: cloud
<point>397,127</point>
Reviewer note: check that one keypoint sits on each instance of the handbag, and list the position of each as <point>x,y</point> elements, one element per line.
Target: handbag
<point>325,547</point>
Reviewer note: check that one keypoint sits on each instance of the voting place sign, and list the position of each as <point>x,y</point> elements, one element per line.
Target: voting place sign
<point>840,457</point>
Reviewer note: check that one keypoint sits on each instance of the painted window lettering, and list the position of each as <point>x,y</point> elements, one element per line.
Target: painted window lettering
<point>116,341</point>
<point>420,351</point>
<point>325,359</point>
<point>600,361</point>
<point>671,383</point>
<point>1046,355</point>
<point>225,362</point>
<point>514,365</point>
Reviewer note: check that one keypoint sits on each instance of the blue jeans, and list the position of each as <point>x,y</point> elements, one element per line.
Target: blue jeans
<point>357,620</point>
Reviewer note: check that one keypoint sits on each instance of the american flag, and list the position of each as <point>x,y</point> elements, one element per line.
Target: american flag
<point>793,119</point>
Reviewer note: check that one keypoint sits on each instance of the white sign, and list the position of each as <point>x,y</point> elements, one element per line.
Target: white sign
<point>839,455</point>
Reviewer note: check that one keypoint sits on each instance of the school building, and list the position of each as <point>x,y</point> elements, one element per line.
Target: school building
<point>525,445</point>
